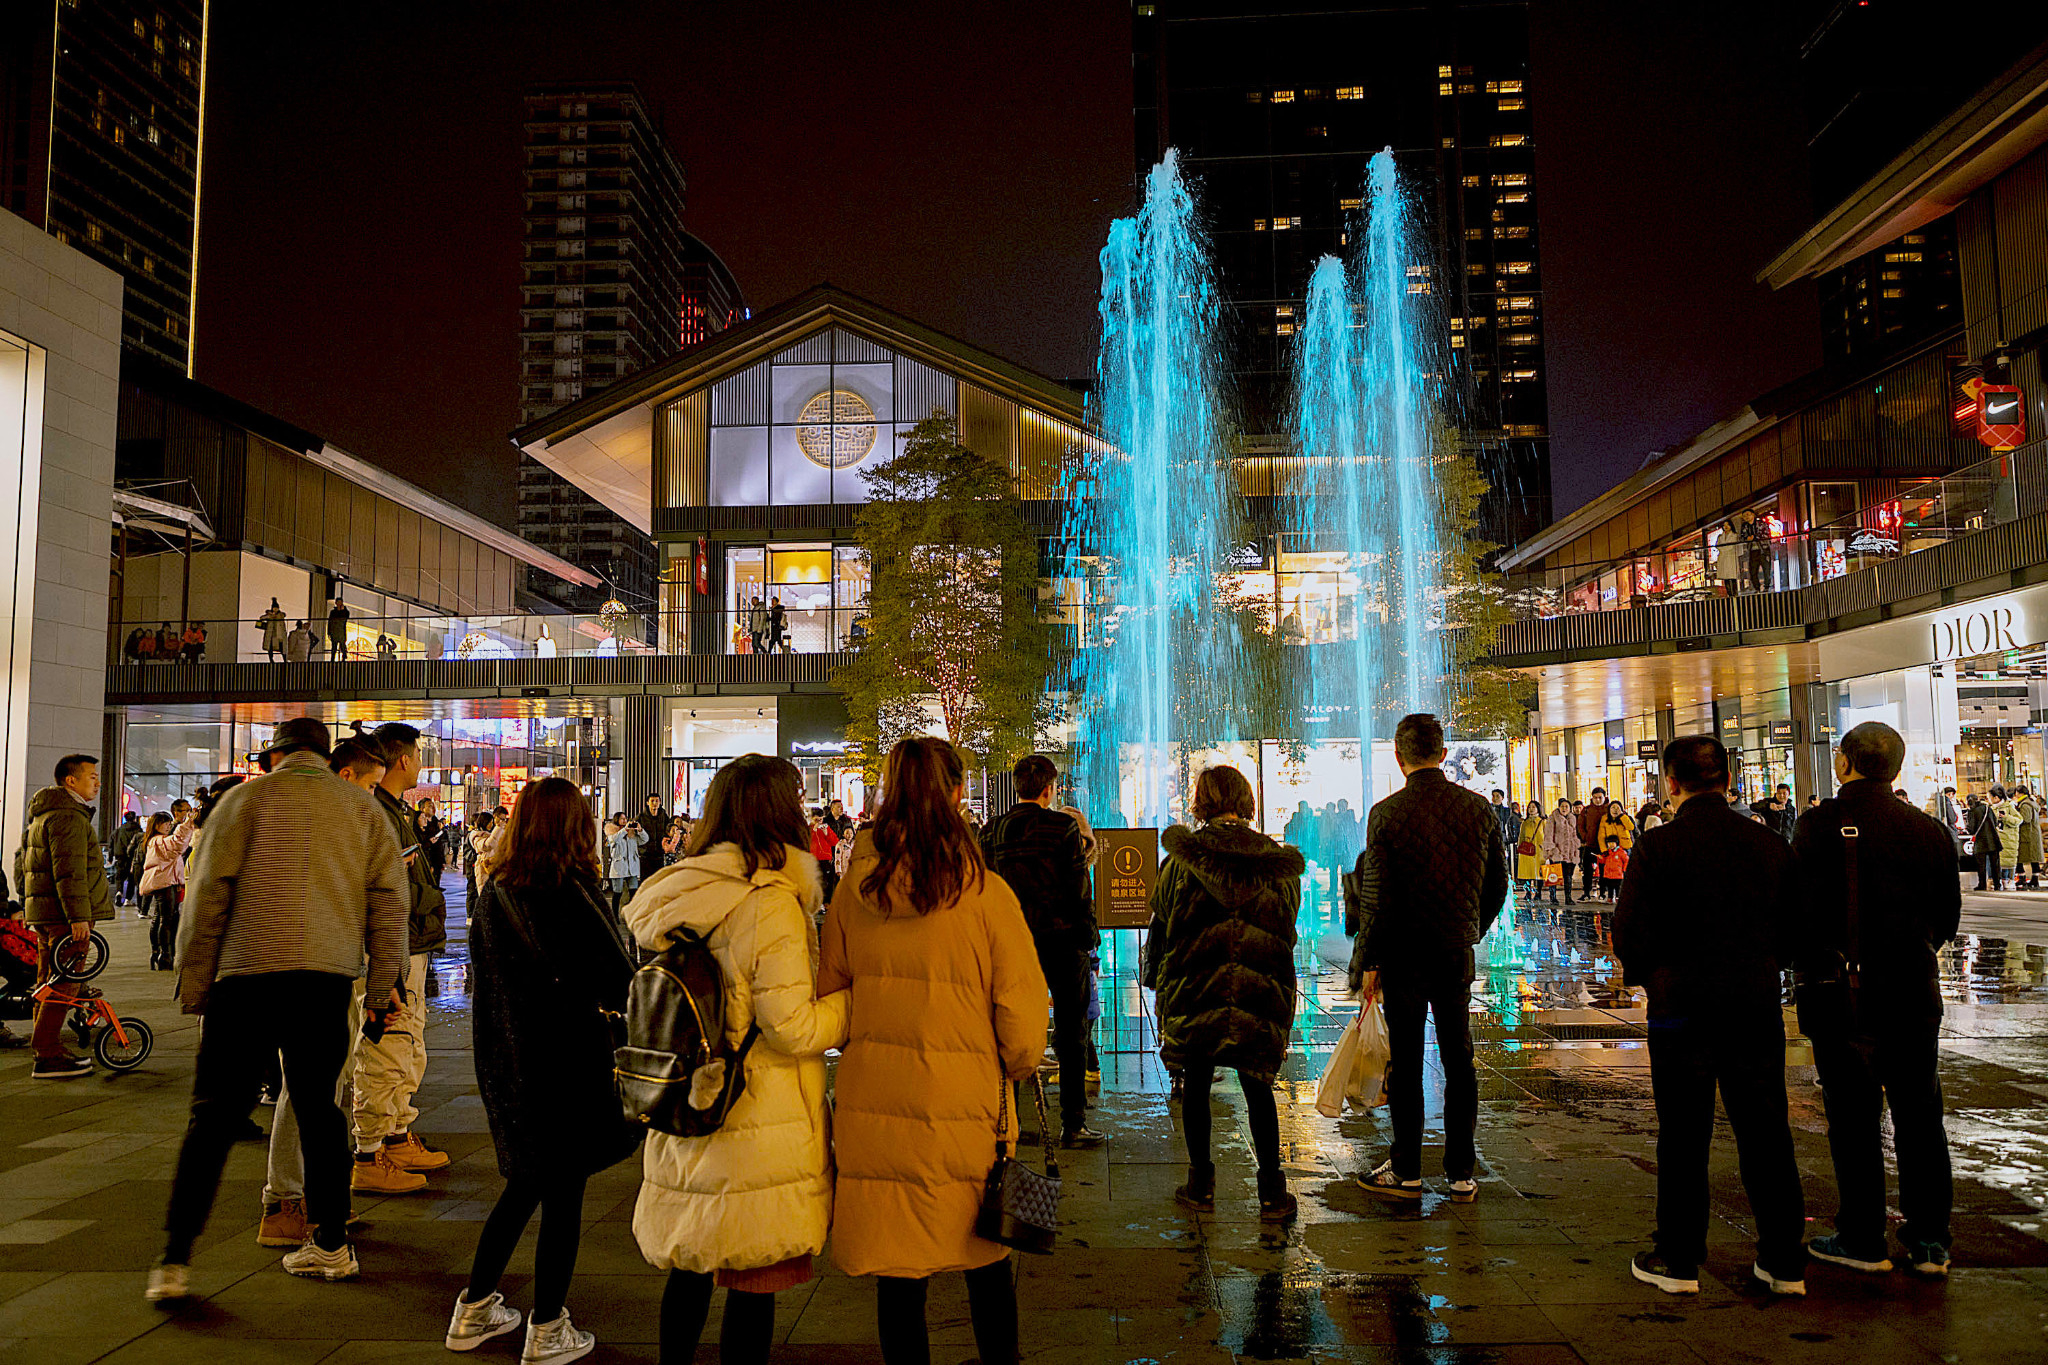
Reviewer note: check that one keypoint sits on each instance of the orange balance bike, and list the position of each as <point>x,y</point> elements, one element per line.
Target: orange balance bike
<point>119,1042</point>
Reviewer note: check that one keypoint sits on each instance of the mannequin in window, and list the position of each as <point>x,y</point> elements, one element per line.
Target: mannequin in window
<point>545,646</point>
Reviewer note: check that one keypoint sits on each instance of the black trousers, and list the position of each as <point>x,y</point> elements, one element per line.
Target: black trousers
<point>1688,1059</point>
<point>1564,881</point>
<point>304,1016</point>
<point>1587,876</point>
<point>1438,984</point>
<point>560,1203</point>
<point>1066,975</point>
<point>1261,1111</point>
<point>1987,871</point>
<point>745,1333</point>
<point>163,925</point>
<point>1860,1073</point>
<point>991,1309</point>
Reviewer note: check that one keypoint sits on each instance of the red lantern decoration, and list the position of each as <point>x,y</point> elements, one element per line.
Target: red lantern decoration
<point>2001,416</point>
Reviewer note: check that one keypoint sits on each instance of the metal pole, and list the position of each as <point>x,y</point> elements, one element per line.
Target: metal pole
<point>185,596</point>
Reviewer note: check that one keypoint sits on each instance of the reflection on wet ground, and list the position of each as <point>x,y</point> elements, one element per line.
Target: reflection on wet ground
<point>1536,1269</point>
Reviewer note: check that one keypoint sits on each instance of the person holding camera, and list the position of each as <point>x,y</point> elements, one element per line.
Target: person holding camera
<point>296,881</point>
<point>625,840</point>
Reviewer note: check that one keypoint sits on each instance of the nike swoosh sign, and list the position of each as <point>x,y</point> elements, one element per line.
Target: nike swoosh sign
<point>1999,409</point>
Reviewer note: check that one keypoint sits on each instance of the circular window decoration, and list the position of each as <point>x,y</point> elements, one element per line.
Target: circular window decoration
<point>836,429</point>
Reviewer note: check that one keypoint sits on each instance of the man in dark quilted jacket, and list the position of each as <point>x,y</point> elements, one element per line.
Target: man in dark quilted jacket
<point>1432,879</point>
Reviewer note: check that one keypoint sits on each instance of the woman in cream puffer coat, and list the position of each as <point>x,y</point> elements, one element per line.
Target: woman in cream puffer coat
<point>750,1203</point>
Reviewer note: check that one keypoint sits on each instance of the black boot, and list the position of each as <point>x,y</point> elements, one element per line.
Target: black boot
<point>1276,1205</point>
<point>1199,1193</point>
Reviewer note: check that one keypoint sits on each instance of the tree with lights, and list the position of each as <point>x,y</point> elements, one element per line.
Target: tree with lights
<point>953,615</point>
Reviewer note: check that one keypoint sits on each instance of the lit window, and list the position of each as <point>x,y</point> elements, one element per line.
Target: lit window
<point>1253,97</point>
<point>1512,178</point>
<point>1521,198</point>
<point>142,32</point>
<point>1144,11</point>
<point>1518,230</point>
<point>1521,301</point>
<point>1283,224</point>
<point>1350,92</point>
<point>174,326</point>
<point>1466,88</point>
<point>1350,205</point>
<point>1285,329</point>
<point>1258,225</point>
<point>1516,267</point>
<point>1517,376</point>
<point>1450,142</point>
<point>1471,182</point>
<point>1418,270</point>
<point>120,136</point>
<point>148,264</point>
<point>1418,286</point>
<point>1914,238</point>
<point>1510,106</point>
<point>1518,319</point>
<point>94,232</point>
<point>1503,87</point>
<point>1895,293</point>
<point>1894,257</point>
<point>153,136</point>
<point>1441,71</point>
<point>1457,324</point>
<point>1457,341</point>
<point>1318,131</point>
<point>1475,234</point>
<point>1284,311</point>
<point>1283,97</point>
<point>1311,94</point>
<point>1894,274</point>
<point>1508,140</point>
<point>1519,339</point>
<point>1446,88</point>
<point>1476,268</point>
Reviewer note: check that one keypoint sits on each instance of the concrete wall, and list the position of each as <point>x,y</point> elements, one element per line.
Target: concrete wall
<point>60,365</point>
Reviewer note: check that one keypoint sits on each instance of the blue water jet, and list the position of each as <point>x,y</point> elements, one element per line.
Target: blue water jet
<point>1147,524</point>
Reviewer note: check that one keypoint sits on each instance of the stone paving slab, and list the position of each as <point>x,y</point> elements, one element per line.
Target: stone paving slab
<point>1534,1273</point>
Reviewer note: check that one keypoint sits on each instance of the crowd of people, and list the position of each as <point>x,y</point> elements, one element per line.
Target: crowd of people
<point>299,909</point>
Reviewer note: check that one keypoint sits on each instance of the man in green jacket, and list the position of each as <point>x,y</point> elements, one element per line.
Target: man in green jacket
<point>63,890</point>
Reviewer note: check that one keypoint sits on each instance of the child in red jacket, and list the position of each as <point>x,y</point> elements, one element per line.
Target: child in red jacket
<point>1613,863</point>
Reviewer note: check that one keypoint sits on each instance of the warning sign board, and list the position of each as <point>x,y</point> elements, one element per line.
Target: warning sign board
<point>1126,866</point>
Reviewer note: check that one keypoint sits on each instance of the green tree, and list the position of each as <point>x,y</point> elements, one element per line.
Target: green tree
<point>1484,700</point>
<point>953,615</point>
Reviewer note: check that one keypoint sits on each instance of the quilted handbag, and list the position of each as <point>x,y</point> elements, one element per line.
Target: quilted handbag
<point>1019,1207</point>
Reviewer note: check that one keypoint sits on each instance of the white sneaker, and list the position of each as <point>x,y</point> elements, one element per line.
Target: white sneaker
<point>556,1343</point>
<point>313,1263</point>
<point>1464,1191</point>
<point>473,1324</point>
<point>166,1282</point>
<point>1774,1284</point>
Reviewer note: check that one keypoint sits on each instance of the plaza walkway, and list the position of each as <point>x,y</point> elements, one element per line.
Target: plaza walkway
<point>1534,1273</point>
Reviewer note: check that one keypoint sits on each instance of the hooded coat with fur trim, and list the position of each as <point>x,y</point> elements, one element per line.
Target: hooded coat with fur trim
<point>1220,951</point>
<point>759,1190</point>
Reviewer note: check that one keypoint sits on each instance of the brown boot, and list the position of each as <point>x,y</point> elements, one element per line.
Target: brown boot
<point>284,1224</point>
<point>408,1153</point>
<point>377,1174</point>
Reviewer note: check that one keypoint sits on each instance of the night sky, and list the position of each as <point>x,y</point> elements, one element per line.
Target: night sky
<point>359,264</point>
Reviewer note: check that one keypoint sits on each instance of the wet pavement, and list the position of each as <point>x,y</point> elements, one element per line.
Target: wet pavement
<point>1534,1271</point>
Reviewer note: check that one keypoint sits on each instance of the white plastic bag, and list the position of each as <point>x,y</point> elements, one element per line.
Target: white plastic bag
<point>1368,1088</point>
<point>1336,1080</point>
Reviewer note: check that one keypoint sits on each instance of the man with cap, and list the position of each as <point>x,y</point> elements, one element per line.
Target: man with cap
<point>297,881</point>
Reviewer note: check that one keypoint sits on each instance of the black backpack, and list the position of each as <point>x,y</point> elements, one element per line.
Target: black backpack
<point>676,1074</point>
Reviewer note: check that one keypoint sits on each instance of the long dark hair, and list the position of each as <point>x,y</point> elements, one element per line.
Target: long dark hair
<point>755,803</point>
<point>206,798</point>
<point>919,830</point>
<point>162,817</point>
<point>551,837</point>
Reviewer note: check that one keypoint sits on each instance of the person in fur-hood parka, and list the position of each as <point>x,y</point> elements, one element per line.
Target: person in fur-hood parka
<point>1220,951</point>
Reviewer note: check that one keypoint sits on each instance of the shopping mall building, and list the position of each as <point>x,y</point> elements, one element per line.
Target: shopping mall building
<point>1856,546</point>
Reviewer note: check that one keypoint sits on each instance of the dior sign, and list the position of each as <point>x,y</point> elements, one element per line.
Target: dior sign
<point>1969,632</point>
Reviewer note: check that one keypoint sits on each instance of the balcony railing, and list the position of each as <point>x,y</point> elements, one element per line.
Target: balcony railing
<point>386,638</point>
<point>1923,515</point>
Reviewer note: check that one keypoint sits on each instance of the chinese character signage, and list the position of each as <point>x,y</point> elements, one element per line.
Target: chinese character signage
<point>1126,866</point>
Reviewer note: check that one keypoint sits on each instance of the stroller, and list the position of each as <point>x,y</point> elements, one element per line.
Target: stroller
<point>118,1043</point>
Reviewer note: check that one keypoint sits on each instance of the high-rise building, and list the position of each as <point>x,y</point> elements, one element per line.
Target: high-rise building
<point>100,140</point>
<point>606,260</point>
<point>711,296</point>
<point>1277,108</point>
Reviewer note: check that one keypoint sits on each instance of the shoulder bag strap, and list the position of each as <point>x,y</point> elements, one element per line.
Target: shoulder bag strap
<point>1851,905</point>
<point>1002,1113</point>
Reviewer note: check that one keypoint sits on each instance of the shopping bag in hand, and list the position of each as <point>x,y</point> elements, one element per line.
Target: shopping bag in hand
<point>1337,1076</point>
<point>1368,1086</point>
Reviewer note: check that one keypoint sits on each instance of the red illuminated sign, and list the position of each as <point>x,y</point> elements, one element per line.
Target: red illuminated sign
<point>2001,416</point>
<point>703,564</point>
